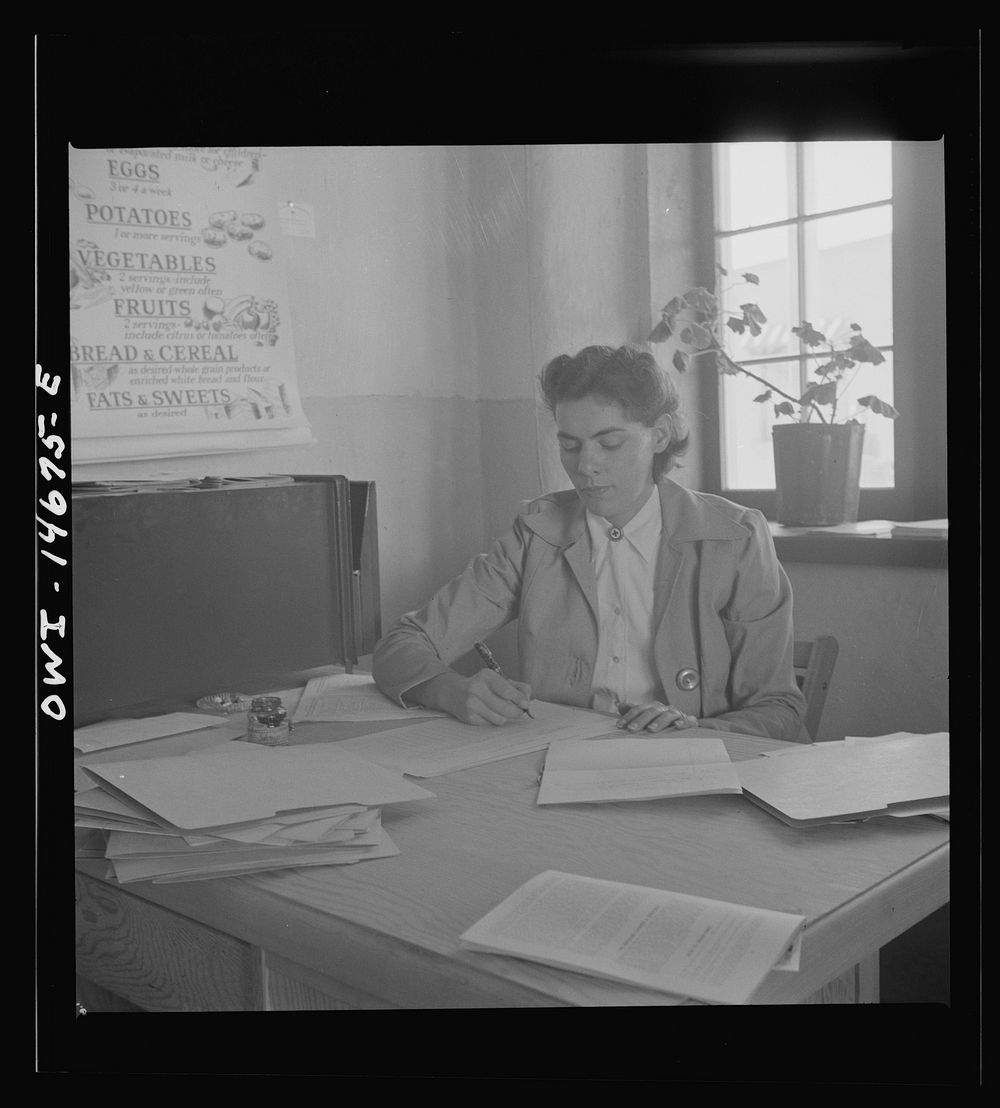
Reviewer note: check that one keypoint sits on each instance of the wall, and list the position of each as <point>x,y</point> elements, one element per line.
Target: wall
<point>892,626</point>
<point>439,282</point>
<point>382,311</point>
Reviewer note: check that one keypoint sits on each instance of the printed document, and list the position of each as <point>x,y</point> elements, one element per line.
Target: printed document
<point>686,945</point>
<point>586,770</point>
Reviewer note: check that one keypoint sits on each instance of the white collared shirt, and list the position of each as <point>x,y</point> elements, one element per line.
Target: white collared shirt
<point>626,571</point>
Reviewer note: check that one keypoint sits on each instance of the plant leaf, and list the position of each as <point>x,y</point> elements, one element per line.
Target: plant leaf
<point>680,361</point>
<point>753,312</point>
<point>863,351</point>
<point>879,407</point>
<point>763,398</point>
<point>722,270</point>
<point>661,332</point>
<point>726,364</point>
<point>784,408</point>
<point>752,278</point>
<point>808,334</point>
<point>825,393</point>
<point>694,334</point>
<point>701,300</point>
<point>734,323</point>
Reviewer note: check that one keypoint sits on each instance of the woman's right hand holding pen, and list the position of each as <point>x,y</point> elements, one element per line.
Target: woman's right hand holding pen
<point>486,697</point>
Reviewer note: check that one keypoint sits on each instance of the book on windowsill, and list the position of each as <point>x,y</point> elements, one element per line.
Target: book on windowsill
<point>921,529</point>
<point>688,946</point>
<point>861,527</point>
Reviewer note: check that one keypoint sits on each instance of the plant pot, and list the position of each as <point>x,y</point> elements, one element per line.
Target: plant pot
<point>817,469</point>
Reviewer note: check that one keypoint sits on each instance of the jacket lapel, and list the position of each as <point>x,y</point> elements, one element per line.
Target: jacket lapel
<point>577,556</point>
<point>668,568</point>
<point>560,519</point>
<point>687,518</point>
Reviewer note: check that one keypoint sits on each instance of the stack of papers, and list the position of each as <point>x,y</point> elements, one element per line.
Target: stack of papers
<point>686,945</point>
<point>856,779</point>
<point>237,808</point>
<point>267,481</point>
<point>178,484</point>
<point>693,763</point>
<point>139,484</point>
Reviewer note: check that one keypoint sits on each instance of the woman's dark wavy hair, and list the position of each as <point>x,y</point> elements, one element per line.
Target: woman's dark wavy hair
<point>628,376</point>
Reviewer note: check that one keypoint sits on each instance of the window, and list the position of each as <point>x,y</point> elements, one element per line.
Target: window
<point>813,221</point>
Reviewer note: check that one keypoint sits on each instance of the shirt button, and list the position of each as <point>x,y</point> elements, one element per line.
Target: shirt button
<point>616,659</point>
<point>618,610</point>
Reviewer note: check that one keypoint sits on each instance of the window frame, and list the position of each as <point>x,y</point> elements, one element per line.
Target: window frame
<point>919,327</point>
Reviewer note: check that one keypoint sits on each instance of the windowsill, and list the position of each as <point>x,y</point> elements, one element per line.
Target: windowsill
<point>796,544</point>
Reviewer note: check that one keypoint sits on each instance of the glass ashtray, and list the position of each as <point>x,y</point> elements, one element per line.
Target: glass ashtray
<point>228,702</point>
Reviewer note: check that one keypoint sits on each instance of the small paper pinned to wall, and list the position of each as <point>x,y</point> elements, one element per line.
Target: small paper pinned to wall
<point>297,219</point>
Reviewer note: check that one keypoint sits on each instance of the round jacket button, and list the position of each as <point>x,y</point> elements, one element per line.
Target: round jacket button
<point>688,679</point>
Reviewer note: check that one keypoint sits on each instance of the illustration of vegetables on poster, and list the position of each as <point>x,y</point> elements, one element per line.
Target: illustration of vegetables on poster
<point>179,322</point>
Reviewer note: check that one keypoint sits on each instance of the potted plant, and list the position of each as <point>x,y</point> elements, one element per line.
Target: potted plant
<point>817,455</point>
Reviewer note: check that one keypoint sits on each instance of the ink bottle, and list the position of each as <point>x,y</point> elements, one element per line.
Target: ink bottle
<point>267,721</point>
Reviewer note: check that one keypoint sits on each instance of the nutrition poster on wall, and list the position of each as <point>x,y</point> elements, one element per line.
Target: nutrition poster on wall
<point>180,341</point>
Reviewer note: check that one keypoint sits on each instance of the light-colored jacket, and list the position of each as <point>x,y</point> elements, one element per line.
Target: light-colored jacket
<point>722,613</point>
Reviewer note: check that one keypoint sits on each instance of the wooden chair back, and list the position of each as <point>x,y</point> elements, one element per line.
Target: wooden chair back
<point>814,662</point>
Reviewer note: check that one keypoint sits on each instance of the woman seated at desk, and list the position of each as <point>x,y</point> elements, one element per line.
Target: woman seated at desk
<point>633,595</point>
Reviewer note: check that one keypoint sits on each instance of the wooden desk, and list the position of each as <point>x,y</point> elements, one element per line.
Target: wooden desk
<point>384,934</point>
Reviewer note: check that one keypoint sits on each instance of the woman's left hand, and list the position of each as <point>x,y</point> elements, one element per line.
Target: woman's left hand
<point>653,717</point>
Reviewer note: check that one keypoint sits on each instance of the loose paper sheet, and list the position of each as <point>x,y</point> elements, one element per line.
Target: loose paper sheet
<point>119,732</point>
<point>445,745</point>
<point>705,949</point>
<point>351,697</point>
<point>586,770</point>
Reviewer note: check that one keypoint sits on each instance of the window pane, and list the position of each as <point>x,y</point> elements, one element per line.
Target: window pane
<point>841,174</point>
<point>756,183</point>
<point>770,255</point>
<point>848,269</point>
<point>747,457</point>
